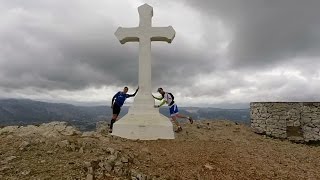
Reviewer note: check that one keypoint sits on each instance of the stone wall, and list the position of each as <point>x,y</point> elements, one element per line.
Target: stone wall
<point>298,121</point>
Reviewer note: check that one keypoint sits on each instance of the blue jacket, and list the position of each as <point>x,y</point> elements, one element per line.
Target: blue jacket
<point>121,97</point>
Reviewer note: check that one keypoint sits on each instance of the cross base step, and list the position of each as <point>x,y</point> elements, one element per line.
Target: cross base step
<point>144,127</point>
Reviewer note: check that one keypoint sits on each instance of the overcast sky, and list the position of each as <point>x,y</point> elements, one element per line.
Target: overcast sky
<point>225,53</point>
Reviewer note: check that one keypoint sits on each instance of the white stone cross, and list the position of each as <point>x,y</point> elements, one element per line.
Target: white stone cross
<point>144,34</point>
<point>143,121</point>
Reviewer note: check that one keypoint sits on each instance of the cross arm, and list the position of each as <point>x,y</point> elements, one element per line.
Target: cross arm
<point>163,34</point>
<point>127,35</point>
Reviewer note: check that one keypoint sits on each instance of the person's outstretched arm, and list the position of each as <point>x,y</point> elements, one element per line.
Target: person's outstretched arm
<point>157,98</point>
<point>132,95</point>
<point>162,103</point>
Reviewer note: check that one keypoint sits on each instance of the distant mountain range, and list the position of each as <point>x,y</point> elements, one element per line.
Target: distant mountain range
<point>24,112</point>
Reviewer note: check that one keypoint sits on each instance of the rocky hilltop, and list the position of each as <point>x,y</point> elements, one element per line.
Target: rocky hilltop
<point>203,150</point>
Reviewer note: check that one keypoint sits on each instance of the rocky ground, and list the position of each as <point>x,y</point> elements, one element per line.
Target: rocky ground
<point>203,150</point>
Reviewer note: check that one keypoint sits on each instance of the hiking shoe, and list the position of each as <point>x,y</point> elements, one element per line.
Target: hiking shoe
<point>178,130</point>
<point>191,120</point>
<point>110,131</point>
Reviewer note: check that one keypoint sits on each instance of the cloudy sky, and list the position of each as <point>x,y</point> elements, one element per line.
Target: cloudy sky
<point>225,53</point>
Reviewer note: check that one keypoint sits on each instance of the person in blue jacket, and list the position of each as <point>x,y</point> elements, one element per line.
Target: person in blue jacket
<point>117,101</point>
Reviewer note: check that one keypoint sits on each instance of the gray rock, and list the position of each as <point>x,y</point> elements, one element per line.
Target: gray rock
<point>315,130</point>
<point>87,164</point>
<point>50,152</point>
<point>101,165</point>
<point>8,129</point>
<point>104,139</point>
<point>9,136</point>
<point>63,144</point>
<point>90,170</point>
<point>209,167</point>
<point>4,168</point>
<point>136,161</point>
<point>72,147</point>
<point>131,155</point>
<point>118,164</point>
<point>24,145</point>
<point>102,127</point>
<point>89,177</point>
<point>108,167</point>
<point>133,172</point>
<point>26,172</point>
<point>141,177</point>
<point>145,150</point>
<point>111,159</point>
<point>125,159</point>
<point>118,171</point>
<point>10,158</point>
<point>88,134</point>
<point>110,150</point>
<point>70,131</point>
<point>99,174</point>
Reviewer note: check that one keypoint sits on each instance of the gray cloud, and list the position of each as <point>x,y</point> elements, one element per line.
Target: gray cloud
<point>265,32</point>
<point>53,48</point>
<point>71,46</point>
<point>47,46</point>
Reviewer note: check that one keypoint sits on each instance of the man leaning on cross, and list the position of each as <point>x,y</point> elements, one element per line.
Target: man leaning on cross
<point>117,101</point>
<point>168,98</point>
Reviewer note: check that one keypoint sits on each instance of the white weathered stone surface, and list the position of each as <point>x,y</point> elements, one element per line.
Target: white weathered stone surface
<point>102,127</point>
<point>89,134</point>
<point>143,121</point>
<point>8,129</point>
<point>144,127</point>
<point>48,130</point>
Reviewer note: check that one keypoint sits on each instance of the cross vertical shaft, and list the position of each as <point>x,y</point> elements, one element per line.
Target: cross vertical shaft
<point>144,98</point>
<point>145,72</point>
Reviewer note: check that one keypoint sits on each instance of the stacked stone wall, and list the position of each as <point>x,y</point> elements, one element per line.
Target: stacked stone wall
<point>299,121</point>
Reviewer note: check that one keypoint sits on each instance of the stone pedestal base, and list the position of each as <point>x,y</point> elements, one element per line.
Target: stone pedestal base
<point>144,126</point>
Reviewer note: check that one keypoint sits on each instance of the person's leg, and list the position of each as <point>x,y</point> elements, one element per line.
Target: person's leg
<point>116,111</point>
<point>174,120</point>
<point>185,117</point>
<point>113,120</point>
<point>181,115</point>
<point>173,112</point>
